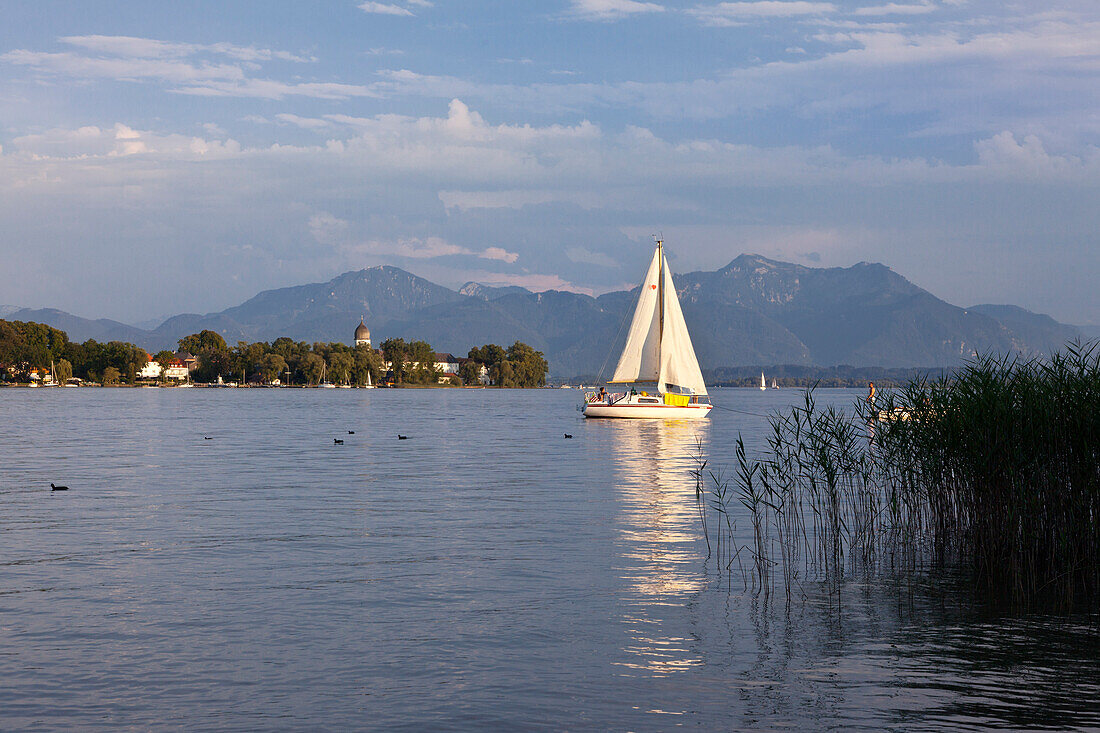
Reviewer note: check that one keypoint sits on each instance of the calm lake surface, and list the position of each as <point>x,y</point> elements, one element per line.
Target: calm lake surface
<point>484,573</point>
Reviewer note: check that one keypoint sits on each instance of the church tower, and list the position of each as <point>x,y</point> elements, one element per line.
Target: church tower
<point>362,334</point>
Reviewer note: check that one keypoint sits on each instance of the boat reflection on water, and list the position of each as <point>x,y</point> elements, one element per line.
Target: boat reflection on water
<point>658,535</point>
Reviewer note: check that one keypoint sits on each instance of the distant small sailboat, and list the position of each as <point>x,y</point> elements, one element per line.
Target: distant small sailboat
<point>658,349</point>
<point>325,384</point>
<point>774,384</point>
<point>369,384</point>
<point>763,384</point>
<point>347,382</point>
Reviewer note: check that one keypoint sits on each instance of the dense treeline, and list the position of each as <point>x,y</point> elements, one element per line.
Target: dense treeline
<point>28,346</point>
<point>410,363</point>
<point>517,366</point>
<point>289,361</point>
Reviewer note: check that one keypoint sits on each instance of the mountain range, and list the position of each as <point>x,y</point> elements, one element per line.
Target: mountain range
<point>752,311</point>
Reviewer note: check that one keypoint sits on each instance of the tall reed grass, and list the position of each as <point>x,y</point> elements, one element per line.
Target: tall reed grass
<point>994,470</point>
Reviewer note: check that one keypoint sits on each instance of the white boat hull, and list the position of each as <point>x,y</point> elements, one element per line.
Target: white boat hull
<point>650,412</point>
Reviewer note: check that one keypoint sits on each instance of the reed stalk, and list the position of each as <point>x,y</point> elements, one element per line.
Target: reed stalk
<point>995,470</point>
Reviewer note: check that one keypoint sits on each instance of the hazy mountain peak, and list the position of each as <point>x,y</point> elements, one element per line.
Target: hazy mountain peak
<point>749,261</point>
<point>490,292</point>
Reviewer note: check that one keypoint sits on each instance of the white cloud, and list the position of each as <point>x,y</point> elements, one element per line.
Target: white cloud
<point>149,48</point>
<point>326,228</point>
<point>308,123</point>
<point>271,89</point>
<point>132,59</point>
<point>122,68</point>
<point>1028,159</point>
<point>587,257</point>
<point>534,282</point>
<point>384,9</point>
<point>418,248</point>
<point>499,253</point>
<point>945,70</point>
<point>612,9</point>
<point>738,13</point>
<point>91,142</point>
<point>896,9</point>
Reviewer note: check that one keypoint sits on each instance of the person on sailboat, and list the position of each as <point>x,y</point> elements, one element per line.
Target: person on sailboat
<point>603,395</point>
<point>871,393</point>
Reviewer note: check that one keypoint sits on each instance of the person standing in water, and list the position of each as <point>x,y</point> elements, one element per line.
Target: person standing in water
<point>871,393</point>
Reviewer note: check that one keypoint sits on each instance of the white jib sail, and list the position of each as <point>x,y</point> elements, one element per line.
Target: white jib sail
<point>679,367</point>
<point>640,360</point>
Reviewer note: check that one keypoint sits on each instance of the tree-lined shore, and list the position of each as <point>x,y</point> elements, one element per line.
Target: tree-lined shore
<point>28,348</point>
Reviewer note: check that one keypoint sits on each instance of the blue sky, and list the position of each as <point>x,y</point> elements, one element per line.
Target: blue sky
<point>187,155</point>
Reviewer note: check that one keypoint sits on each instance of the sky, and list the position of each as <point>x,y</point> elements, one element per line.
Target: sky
<point>167,157</point>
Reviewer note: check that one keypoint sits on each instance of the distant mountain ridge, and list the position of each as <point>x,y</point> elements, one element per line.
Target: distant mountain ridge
<point>752,311</point>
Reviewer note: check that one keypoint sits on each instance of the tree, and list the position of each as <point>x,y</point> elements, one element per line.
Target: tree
<point>111,375</point>
<point>203,341</point>
<point>528,366</point>
<point>422,354</point>
<point>164,358</point>
<point>311,368</point>
<point>493,358</point>
<point>367,361</point>
<point>270,367</point>
<point>340,365</point>
<point>213,364</point>
<point>30,345</point>
<point>518,366</point>
<point>64,371</point>
<point>470,371</point>
<point>395,351</point>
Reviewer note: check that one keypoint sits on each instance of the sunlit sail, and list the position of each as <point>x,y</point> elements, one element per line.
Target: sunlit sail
<point>658,349</point>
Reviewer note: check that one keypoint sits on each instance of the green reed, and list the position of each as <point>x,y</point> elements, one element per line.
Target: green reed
<point>995,470</point>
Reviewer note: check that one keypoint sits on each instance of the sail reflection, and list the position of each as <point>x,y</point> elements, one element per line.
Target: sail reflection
<point>658,534</point>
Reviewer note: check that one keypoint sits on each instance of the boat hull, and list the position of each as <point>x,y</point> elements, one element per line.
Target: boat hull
<point>648,412</point>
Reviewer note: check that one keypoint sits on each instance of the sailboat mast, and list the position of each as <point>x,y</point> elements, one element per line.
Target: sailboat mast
<point>660,299</point>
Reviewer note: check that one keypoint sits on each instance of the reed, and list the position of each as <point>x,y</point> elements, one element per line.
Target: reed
<point>995,470</point>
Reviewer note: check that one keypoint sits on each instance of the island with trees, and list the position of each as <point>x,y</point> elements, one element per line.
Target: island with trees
<point>34,353</point>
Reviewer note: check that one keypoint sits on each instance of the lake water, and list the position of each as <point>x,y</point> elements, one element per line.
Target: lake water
<point>485,573</point>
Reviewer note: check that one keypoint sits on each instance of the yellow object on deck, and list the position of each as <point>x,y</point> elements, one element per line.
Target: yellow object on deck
<point>677,400</point>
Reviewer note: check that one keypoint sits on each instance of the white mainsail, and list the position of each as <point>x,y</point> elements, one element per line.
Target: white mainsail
<point>680,371</point>
<point>640,360</point>
<point>658,347</point>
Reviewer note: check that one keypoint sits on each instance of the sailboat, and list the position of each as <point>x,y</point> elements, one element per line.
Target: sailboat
<point>369,384</point>
<point>763,384</point>
<point>775,385</point>
<point>658,349</point>
<point>325,384</point>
